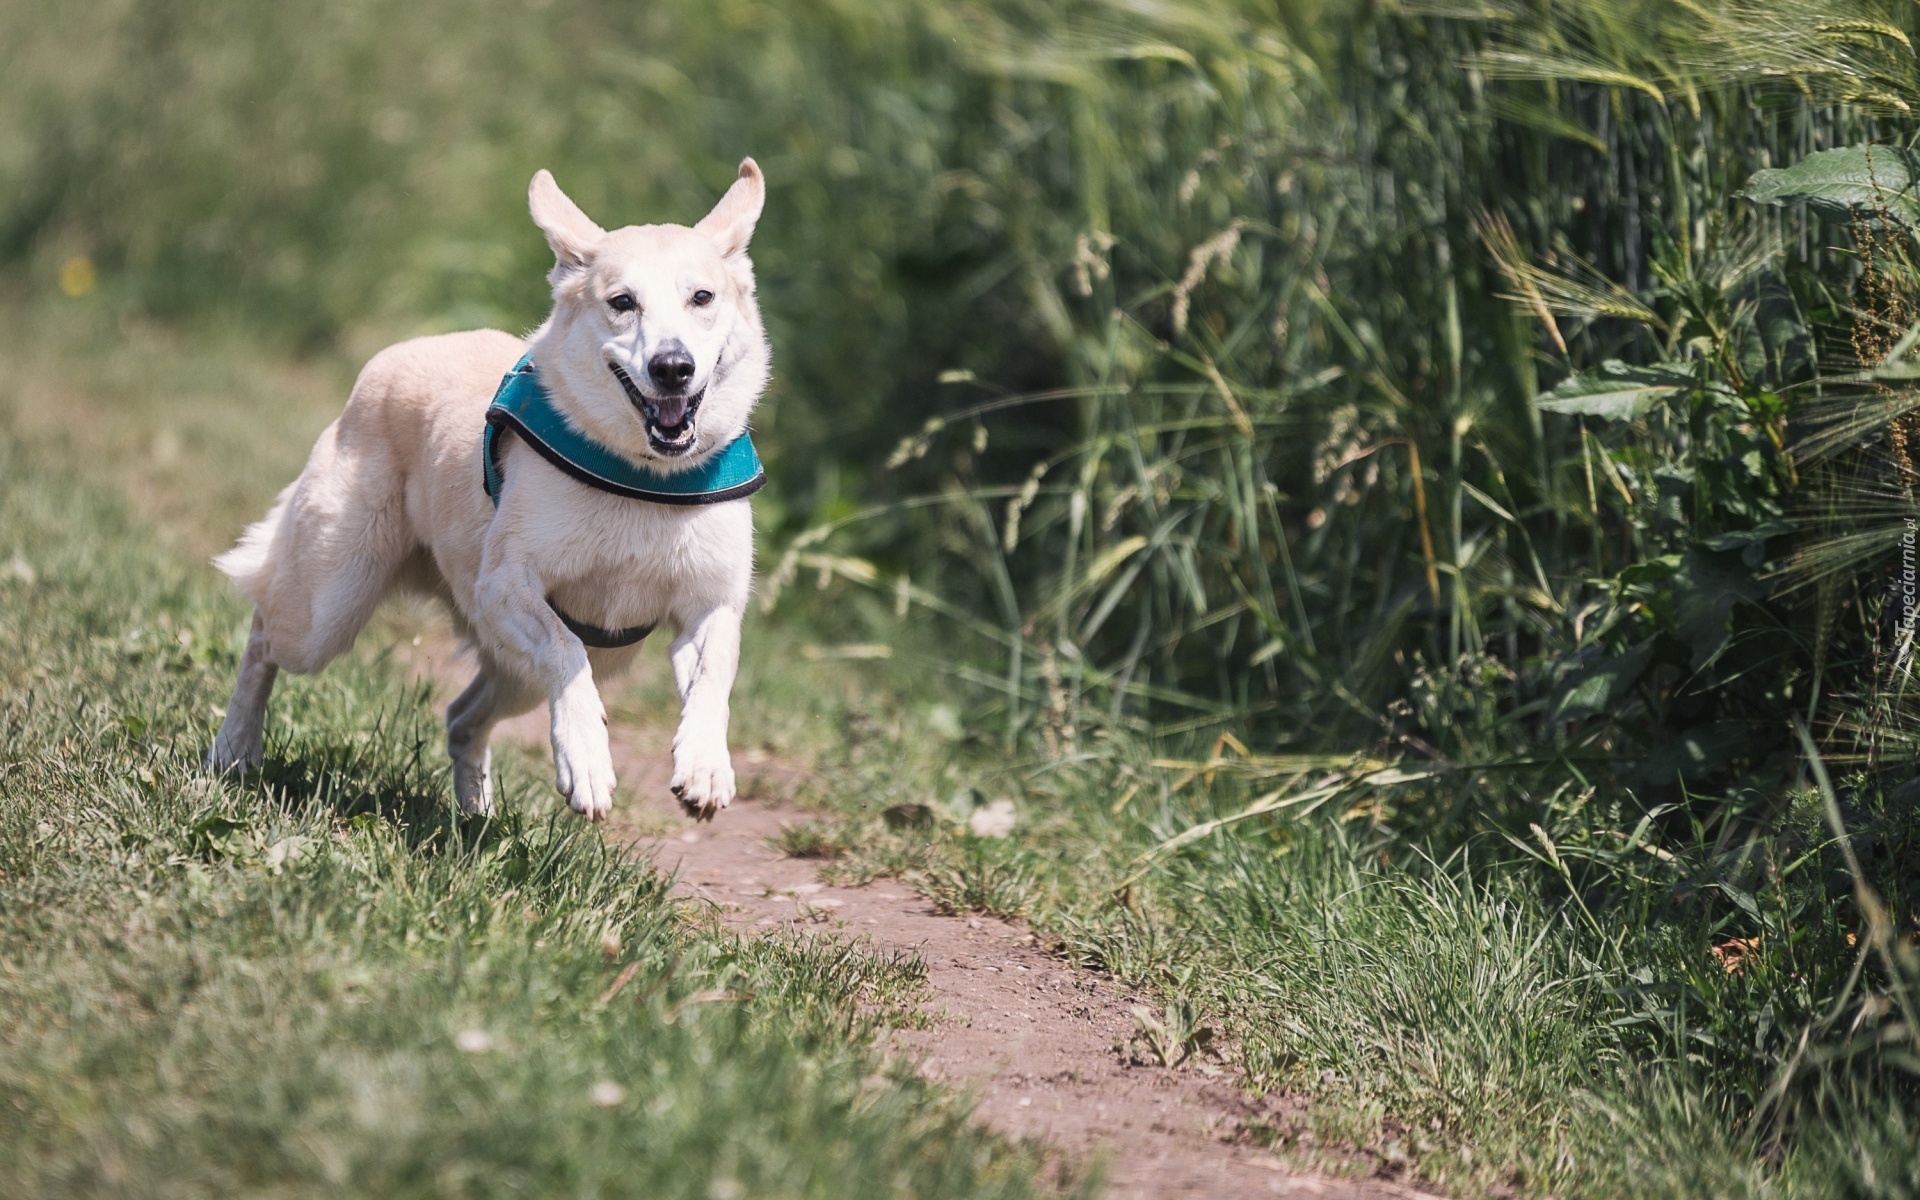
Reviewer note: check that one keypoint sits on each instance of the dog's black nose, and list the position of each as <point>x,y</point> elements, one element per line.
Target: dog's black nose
<point>671,367</point>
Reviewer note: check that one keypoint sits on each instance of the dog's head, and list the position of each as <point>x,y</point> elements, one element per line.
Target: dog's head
<point>655,346</point>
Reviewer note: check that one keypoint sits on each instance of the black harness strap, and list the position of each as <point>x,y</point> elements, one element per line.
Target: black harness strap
<point>602,639</point>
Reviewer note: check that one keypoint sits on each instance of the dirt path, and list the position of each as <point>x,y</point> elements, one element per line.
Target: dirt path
<point>1033,1038</point>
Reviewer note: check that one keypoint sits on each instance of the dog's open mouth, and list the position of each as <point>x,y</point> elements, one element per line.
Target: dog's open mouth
<point>669,421</point>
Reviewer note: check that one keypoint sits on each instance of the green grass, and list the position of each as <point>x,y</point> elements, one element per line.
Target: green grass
<point>1460,1021</point>
<point>319,981</point>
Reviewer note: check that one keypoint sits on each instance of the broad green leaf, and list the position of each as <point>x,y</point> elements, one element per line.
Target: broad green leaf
<point>1704,593</point>
<point>1758,535</point>
<point>1651,570</point>
<point>1615,391</point>
<point>1838,182</point>
<point>1700,753</point>
<point>1601,686</point>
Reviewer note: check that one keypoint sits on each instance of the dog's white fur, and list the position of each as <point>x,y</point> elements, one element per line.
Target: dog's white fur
<point>391,497</point>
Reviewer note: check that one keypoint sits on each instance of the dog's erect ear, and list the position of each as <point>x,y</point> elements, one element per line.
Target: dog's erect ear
<point>731,222</point>
<point>570,232</point>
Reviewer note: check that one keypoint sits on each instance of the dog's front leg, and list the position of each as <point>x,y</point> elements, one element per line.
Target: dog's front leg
<point>706,656</point>
<point>525,636</point>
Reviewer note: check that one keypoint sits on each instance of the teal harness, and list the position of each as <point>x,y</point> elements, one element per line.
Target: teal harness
<point>523,405</point>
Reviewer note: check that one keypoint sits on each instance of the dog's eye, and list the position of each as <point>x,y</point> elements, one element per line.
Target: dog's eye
<point>622,303</point>
<point>703,297</point>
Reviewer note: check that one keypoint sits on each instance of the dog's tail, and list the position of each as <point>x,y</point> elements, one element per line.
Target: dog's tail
<point>248,562</point>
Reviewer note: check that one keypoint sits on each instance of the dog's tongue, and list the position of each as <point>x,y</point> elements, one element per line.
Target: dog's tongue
<point>670,412</point>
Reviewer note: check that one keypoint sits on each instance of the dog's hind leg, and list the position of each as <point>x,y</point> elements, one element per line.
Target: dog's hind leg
<point>241,743</point>
<point>488,700</point>
<point>320,562</point>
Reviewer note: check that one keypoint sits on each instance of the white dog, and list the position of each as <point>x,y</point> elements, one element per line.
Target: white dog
<point>560,514</point>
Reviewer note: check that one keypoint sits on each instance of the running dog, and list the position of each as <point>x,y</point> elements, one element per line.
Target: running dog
<point>561,494</point>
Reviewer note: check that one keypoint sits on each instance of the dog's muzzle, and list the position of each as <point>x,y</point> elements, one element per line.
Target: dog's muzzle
<point>669,420</point>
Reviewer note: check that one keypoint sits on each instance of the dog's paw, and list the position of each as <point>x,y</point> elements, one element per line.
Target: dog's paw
<point>583,766</point>
<point>703,780</point>
<point>473,784</point>
<point>232,756</point>
<point>584,775</point>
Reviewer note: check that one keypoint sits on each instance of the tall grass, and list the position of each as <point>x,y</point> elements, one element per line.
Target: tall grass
<point>1483,426</point>
<point>1295,440</point>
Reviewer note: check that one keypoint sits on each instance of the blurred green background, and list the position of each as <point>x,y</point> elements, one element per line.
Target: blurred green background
<point>347,174</point>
